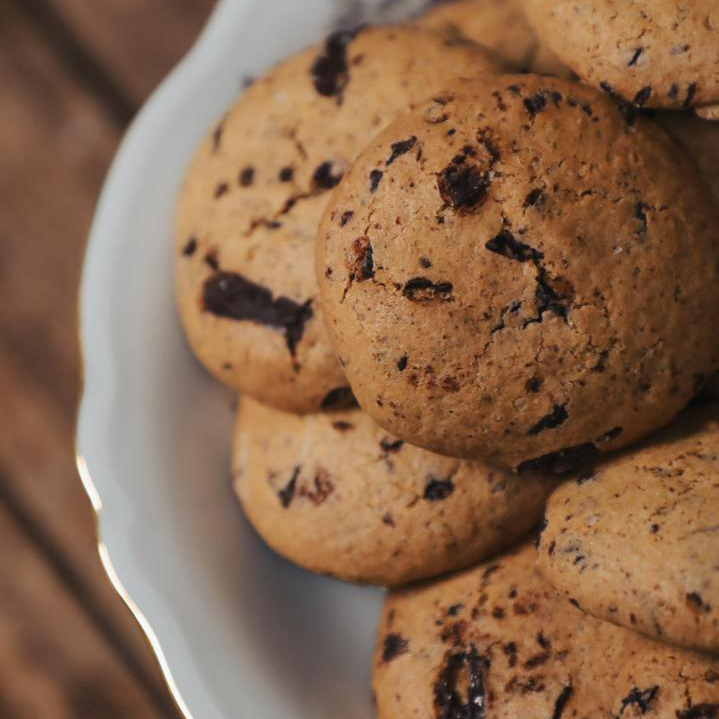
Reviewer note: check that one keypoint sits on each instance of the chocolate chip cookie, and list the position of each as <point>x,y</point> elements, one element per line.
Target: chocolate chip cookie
<point>497,641</point>
<point>249,207</point>
<point>338,495</point>
<point>523,271</point>
<point>501,26</point>
<point>636,540</point>
<point>653,53</point>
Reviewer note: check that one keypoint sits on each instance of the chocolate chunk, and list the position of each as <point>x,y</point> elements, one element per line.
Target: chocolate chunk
<point>286,174</point>
<point>323,487</point>
<point>610,435</point>
<point>211,260</point>
<point>343,426</point>
<point>643,95</point>
<point>642,699</point>
<point>583,106</point>
<point>286,495</point>
<point>486,139</point>
<point>346,217</point>
<point>437,489</point>
<point>421,289</point>
<point>673,92</point>
<point>700,711</point>
<point>339,398</point>
<point>221,189</point>
<point>375,177</point>
<point>696,603</point>
<point>323,179</point>
<point>536,660</point>
<point>535,197</point>
<point>362,265</point>
<point>394,645</point>
<point>555,418</point>
<point>628,111</point>
<point>455,609</point>
<point>533,385</point>
<point>330,72</point>
<point>561,702</point>
<point>508,246</point>
<point>189,249</point>
<point>247,176</point>
<point>535,103</point>
<point>691,91</point>
<point>549,299</point>
<point>400,148</point>
<point>230,295</point>
<point>425,263</point>
<point>450,384</point>
<point>388,519</point>
<point>459,692</point>
<point>510,650</point>
<point>390,446</point>
<point>635,56</point>
<point>217,137</point>
<point>561,461</point>
<point>402,363</point>
<point>464,187</point>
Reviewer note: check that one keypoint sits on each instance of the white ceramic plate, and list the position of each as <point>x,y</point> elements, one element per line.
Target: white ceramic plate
<point>238,631</point>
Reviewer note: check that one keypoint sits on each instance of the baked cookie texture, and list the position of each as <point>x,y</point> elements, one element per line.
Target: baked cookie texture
<point>501,26</point>
<point>651,53</point>
<point>636,540</point>
<point>248,210</point>
<point>497,641</point>
<point>336,494</point>
<point>528,274</point>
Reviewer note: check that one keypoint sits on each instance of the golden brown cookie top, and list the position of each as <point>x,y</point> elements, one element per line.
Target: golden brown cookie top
<point>636,541</point>
<point>249,207</point>
<point>528,274</point>
<point>337,494</point>
<point>652,53</point>
<point>497,641</point>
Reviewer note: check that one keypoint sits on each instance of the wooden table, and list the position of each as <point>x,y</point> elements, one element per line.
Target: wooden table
<point>72,74</point>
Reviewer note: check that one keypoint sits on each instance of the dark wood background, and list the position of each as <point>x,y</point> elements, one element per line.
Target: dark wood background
<point>72,74</point>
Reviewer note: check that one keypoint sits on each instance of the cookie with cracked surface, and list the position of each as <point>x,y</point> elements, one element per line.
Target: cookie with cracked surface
<point>516,287</point>
<point>500,25</point>
<point>636,540</point>
<point>336,494</point>
<point>651,53</point>
<point>249,207</point>
<point>498,641</point>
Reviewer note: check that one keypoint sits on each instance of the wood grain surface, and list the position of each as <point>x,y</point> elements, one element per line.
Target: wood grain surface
<point>72,74</point>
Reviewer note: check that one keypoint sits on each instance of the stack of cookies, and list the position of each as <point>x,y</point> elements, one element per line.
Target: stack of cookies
<point>464,274</point>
